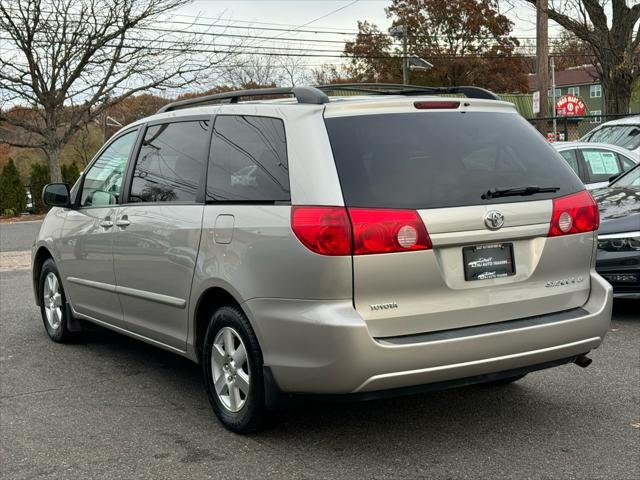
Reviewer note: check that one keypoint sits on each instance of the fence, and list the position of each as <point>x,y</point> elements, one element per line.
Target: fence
<point>571,129</point>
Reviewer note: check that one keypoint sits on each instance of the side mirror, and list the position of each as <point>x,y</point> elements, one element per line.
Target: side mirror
<point>613,177</point>
<point>56,195</point>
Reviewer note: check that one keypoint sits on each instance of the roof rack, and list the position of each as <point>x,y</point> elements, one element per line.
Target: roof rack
<point>399,89</point>
<point>308,95</point>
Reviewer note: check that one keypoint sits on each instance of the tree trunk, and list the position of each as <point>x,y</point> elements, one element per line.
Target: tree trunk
<point>53,159</point>
<point>617,84</point>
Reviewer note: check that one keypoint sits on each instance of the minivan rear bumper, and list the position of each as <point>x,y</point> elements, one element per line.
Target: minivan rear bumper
<point>324,347</point>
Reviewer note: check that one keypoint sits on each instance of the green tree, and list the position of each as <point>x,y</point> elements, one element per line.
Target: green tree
<point>70,173</point>
<point>12,192</point>
<point>38,178</point>
<point>635,93</point>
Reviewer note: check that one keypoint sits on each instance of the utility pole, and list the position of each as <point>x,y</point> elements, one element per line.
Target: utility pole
<point>405,60</point>
<point>553,96</point>
<point>397,31</point>
<point>542,60</point>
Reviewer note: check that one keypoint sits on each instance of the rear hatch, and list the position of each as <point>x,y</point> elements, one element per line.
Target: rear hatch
<point>490,257</point>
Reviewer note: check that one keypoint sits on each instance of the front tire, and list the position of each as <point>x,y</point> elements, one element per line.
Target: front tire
<point>53,303</point>
<point>232,368</point>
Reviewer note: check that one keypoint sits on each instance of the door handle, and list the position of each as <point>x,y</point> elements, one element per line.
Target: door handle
<point>106,223</point>
<point>123,222</point>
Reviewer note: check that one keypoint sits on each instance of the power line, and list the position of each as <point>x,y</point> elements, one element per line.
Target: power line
<point>232,26</point>
<point>189,49</point>
<point>327,14</point>
<point>254,37</point>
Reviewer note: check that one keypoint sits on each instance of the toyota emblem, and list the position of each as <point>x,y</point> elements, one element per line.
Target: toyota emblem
<point>494,220</point>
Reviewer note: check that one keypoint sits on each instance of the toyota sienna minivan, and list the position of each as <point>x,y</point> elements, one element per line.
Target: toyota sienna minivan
<point>354,246</point>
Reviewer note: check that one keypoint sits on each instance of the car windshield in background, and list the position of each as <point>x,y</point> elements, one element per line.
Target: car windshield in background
<point>630,180</point>
<point>443,159</point>
<point>627,136</point>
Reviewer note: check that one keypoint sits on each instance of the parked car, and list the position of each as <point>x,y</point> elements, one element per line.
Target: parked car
<point>619,234</point>
<point>383,245</point>
<point>595,163</point>
<point>623,132</point>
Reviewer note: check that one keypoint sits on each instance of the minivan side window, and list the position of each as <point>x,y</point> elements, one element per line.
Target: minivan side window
<point>248,160</point>
<point>102,182</point>
<point>170,162</point>
<point>572,160</point>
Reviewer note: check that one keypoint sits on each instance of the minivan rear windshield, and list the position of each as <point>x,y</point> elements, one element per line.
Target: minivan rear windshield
<point>444,159</point>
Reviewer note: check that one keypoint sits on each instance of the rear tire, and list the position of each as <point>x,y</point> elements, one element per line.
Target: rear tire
<point>53,303</point>
<point>232,369</point>
<point>506,381</point>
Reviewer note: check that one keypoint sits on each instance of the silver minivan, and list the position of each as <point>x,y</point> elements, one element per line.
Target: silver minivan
<point>360,246</point>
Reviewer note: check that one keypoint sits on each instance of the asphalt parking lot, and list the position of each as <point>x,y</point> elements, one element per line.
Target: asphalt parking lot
<point>111,407</point>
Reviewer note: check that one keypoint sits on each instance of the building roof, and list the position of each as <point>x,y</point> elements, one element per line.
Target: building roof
<point>583,75</point>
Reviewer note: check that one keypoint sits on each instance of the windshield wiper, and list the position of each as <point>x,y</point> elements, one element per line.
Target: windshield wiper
<point>517,191</point>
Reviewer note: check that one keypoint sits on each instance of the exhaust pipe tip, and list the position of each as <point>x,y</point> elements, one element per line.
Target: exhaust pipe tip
<point>582,361</point>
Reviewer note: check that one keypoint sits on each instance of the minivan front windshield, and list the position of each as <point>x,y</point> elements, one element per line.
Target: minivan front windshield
<point>444,159</point>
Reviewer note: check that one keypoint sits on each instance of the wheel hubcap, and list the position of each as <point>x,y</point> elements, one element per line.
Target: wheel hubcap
<point>52,300</point>
<point>230,369</point>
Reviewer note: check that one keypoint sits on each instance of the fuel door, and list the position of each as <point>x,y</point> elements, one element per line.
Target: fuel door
<point>223,228</point>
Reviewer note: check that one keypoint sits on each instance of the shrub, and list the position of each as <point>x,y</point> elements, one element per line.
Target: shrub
<point>38,178</point>
<point>12,192</point>
<point>70,173</point>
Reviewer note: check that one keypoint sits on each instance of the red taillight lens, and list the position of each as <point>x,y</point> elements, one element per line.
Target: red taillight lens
<point>324,230</point>
<point>386,231</point>
<point>333,230</point>
<point>576,213</point>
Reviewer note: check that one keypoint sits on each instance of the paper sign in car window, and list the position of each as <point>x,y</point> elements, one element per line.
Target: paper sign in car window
<point>610,163</point>
<point>596,164</point>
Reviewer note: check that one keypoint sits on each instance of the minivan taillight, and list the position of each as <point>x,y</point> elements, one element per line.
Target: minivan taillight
<point>323,230</point>
<point>358,231</point>
<point>575,213</point>
<point>386,231</point>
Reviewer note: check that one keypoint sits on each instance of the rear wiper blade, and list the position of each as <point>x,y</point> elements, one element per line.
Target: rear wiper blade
<point>517,191</point>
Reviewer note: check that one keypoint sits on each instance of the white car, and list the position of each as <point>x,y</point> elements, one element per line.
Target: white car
<point>623,132</point>
<point>596,163</point>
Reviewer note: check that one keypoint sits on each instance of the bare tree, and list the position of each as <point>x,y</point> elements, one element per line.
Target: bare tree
<point>293,70</point>
<point>615,42</point>
<point>251,70</point>
<point>64,62</point>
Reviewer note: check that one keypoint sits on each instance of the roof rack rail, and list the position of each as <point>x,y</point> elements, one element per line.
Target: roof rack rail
<point>399,89</point>
<point>307,95</point>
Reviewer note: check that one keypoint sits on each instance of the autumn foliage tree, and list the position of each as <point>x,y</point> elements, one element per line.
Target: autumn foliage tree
<point>371,56</point>
<point>570,51</point>
<point>467,41</point>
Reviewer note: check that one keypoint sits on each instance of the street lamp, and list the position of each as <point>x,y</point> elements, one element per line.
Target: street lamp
<point>400,31</point>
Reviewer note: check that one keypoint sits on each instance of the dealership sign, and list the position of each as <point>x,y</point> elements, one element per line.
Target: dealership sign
<point>570,106</point>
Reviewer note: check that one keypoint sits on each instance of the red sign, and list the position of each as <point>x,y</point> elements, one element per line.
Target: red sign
<point>570,106</point>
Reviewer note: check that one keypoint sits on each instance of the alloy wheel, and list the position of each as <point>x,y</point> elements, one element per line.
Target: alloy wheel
<point>52,300</point>
<point>230,368</point>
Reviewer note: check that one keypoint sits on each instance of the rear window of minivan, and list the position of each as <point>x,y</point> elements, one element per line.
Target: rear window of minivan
<point>445,159</point>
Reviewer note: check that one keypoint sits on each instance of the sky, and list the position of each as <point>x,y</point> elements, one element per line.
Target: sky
<point>299,12</point>
<point>292,22</point>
